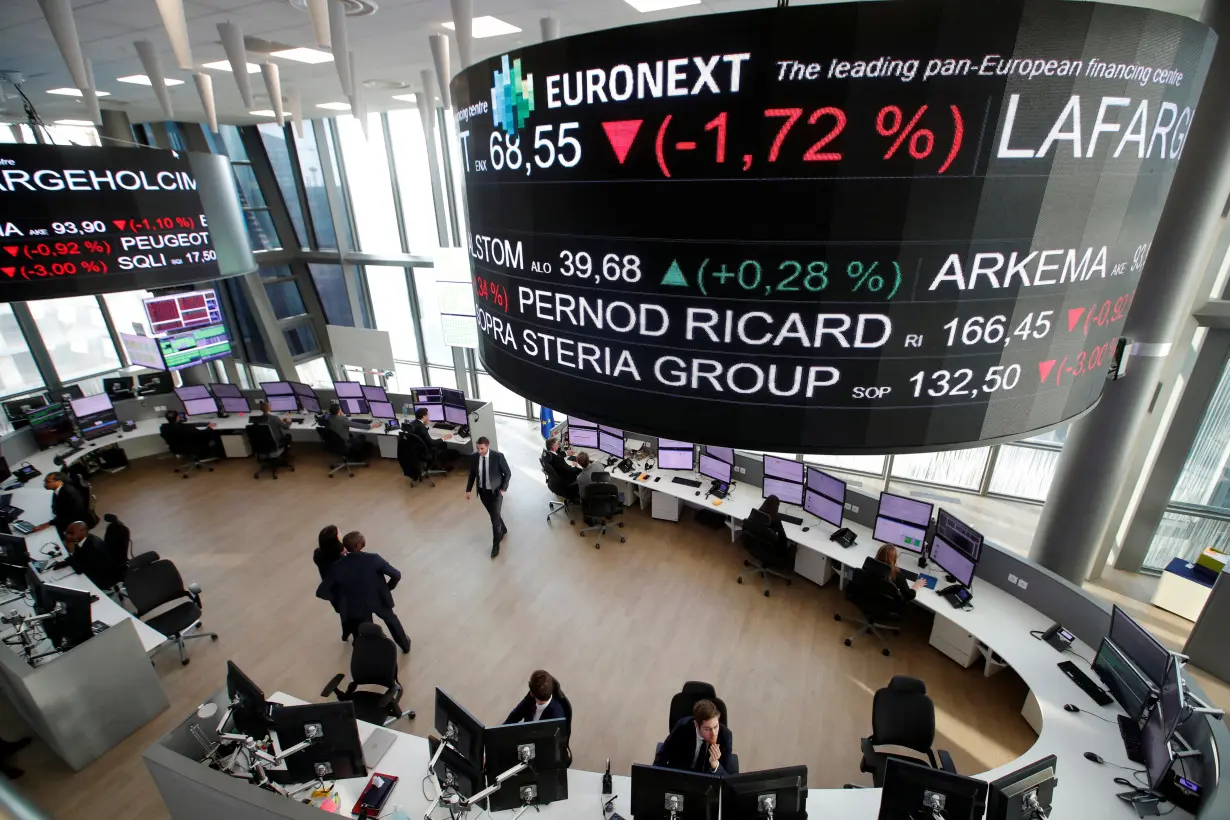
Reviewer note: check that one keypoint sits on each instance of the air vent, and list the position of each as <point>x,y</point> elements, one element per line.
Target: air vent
<point>354,8</point>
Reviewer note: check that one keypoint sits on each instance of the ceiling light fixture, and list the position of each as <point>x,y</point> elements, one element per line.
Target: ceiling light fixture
<point>80,123</point>
<point>334,106</point>
<point>141,79</point>
<point>488,26</point>
<point>406,97</point>
<point>310,56</point>
<point>75,92</point>
<point>224,65</point>
<point>264,112</point>
<point>646,6</point>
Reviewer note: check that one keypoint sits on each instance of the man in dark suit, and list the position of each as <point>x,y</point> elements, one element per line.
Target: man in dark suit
<point>419,428</point>
<point>67,505</point>
<point>356,584</point>
<point>698,744</point>
<point>563,469</point>
<point>489,469</point>
<point>88,555</point>
<point>539,703</point>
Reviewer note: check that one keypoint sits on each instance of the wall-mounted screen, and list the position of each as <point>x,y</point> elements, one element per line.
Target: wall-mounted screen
<point>192,347</point>
<point>182,311</point>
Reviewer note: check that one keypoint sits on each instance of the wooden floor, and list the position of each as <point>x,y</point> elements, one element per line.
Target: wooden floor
<point>621,627</point>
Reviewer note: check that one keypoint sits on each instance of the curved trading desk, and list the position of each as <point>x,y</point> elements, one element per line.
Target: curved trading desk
<point>999,621</point>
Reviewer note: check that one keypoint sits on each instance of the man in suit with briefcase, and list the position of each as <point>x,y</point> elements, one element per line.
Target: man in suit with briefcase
<point>489,469</point>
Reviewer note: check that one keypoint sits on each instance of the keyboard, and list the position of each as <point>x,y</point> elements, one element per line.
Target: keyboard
<point>1131,739</point>
<point>21,527</point>
<point>791,519</point>
<point>298,419</point>
<point>909,576</point>
<point>687,482</point>
<point>1085,683</point>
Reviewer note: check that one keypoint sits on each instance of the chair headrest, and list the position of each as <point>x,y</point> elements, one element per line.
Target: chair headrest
<point>907,685</point>
<point>110,518</point>
<point>370,629</point>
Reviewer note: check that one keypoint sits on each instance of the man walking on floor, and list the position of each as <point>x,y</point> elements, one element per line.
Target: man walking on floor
<point>490,470</point>
<point>361,585</point>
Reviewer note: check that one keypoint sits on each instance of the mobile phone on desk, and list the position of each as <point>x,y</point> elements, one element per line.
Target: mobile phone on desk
<point>375,794</point>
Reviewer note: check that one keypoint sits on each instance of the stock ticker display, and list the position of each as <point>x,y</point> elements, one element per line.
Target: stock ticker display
<point>88,220</point>
<point>841,228</point>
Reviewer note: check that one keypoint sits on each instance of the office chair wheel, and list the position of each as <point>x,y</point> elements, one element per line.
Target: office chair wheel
<point>623,540</point>
<point>183,475</point>
<point>837,617</point>
<point>885,652</point>
<point>211,469</point>
<point>352,475</point>
<point>184,662</point>
<point>275,476</point>
<point>847,642</point>
<point>746,563</point>
<point>213,638</point>
<point>766,593</point>
<point>330,475</point>
<point>740,579</point>
<point>788,581</point>
<point>597,545</point>
<point>571,523</point>
<point>619,523</point>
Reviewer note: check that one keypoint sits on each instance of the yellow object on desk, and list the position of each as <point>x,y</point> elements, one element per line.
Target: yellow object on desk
<point>717,502</point>
<point>643,477</point>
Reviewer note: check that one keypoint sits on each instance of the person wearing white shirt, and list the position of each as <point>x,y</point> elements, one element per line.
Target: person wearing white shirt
<point>699,743</point>
<point>540,703</point>
<point>489,470</point>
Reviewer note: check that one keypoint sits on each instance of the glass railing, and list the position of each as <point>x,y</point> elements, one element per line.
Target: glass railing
<point>1186,531</point>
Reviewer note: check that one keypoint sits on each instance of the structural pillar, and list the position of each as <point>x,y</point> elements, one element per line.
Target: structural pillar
<point>1093,469</point>
<point>116,130</point>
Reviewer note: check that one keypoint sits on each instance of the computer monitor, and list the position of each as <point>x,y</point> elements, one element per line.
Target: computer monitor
<point>143,351</point>
<point>1126,684</point>
<point>310,404</point>
<point>95,415</point>
<point>953,561</point>
<point>714,468</point>
<point>788,492</point>
<point>69,392</point>
<point>201,407</point>
<point>783,468</point>
<point>905,509</point>
<point>13,577</point>
<point>235,405</point>
<point>538,743</point>
<point>454,397</point>
<point>301,389</point>
<point>192,391</point>
<point>154,383</point>
<point>38,592</point>
<point>283,404</point>
<point>335,752</point>
<point>907,536</point>
<point>52,425</point>
<point>823,483</point>
<point>912,791</point>
<point>381,410</point>
<point>1140,647</point>
<point>277,388</point>
<point>582,436</point>
<point>674,794</point>
<point>91,405</point>
<point>675,455</point>
<point>435,412</point>
<point>462,730</point>
<point>427,395</point>
<point>456,415</point>
<point>726,454</point>
<point>16,410</point>
<point>755,795</point>
<point>1026,793</point>
<point>249,711</point>
<point>823,507</point>
<point>1172,700</point>
<point>959,534</point>
<point>180,311</point>
<point>1155,748</point>
<point>75,625</point>
<point>348,390</point>
<point>119,387</point>
<point>573,421</point>
<point>193,347</point>
<point>5,472</point>
<point>226,391</point>
<point>611,443</point>
<point>13,550</point>
<point>454,771</point>
<point>374,393</point>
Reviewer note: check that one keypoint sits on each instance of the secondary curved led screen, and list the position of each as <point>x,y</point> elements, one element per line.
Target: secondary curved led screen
<point>77,220</point>
<point>862,227</point>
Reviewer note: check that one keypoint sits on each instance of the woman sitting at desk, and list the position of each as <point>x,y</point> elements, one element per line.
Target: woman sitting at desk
<point>770,508</point>
<point>887,555</point>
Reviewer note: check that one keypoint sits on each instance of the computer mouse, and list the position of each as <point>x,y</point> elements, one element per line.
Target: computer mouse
<point>697,492</point>
<point>1071,707</point>
<point>1094,758</point>
<point>656,479</point>
<point>805,529</point>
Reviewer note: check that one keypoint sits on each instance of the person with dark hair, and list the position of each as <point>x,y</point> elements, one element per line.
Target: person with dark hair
<point>67,505</point>
<point>328,550</point>
<point>419,427</point>
<point>88,555</point>
<point>199,438</point>
<point>539,703</point>
<point>699,743</point>
<point>489,469</point>
<point>770,508</point>
<point>361,585</point>
<point>277,424</point>
<point>886,567</point>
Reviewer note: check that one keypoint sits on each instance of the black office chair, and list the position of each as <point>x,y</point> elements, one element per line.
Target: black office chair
<point>373,663</point>
<point>117,537</point>
<point>270,453</point>
<point>902,715</point>
<point>78,475</point>
<point>684,702</point>
<point>565,492</point>
<point>877,601</point>
<point>557,693</point>
<point>770,556</point>
<point>343,449</point>
<point>599,504</point>
<point>427,458</point>
<point>185,446</point>
<point>155,584</point>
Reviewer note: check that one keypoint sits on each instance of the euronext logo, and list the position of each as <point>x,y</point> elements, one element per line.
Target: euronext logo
<point>512,96</point>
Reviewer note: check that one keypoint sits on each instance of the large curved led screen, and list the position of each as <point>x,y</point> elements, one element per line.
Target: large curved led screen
<point>859,227</point>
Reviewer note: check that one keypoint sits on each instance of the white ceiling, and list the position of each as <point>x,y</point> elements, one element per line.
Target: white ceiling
<point>389,45</point>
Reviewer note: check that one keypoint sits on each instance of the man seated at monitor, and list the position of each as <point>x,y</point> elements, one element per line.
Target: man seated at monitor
<point>588,468</point>
<point>67,503</point>
<point>697,744</point>
<point>565,471</point>
<point>277,424</point>
<point>539,703</point>
<point>200,438</point>
<point>419,428</point>
<point>88,555</point>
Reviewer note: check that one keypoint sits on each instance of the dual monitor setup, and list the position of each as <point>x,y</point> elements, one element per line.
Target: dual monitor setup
<point>54,423</point>
<point>188,330</point>
<point>954,546</point>
<point>62,615</point>
<point>444,405</point>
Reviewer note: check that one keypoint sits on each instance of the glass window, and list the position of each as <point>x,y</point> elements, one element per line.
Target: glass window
<point>330,284</point>
<point>262,374</point>
<point>6,134</point>
<point>75,335</point>
<point>127,311</point>
<point>1205,479</point>
<point>314,187</point>
<point>232,143</point>
<point>391,304</point>
<point>248,332</point>
<point>260,230</point>
<point>442,377</point>
<point>275,271</point>
<point>873,465</point>
<point>18,373</point>
<point>371,192</point>
<point>414,180</point>
<point>1180,535</point>
<point>1023,472</point>
<point>250,195</point>
<point>952,468</point>
<point>315,373</point>
<point>405,376</point>
<point>505,400</point>
<point>456,161</point>
<point>425,285</point>
<point>301,340</point>
<point>176,137</point>
<point>337,181</point>
<point>274,140</point>
<point>285,298</point>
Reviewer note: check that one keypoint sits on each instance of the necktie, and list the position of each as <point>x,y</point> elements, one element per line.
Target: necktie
<point>702,756</point>
<point>485,485</point>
